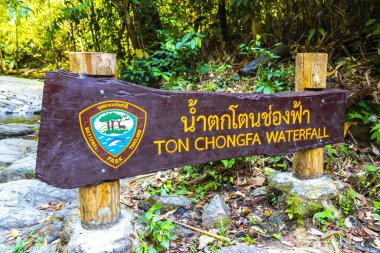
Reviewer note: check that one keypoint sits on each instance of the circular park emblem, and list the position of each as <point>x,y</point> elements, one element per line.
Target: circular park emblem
<point>113,130</point>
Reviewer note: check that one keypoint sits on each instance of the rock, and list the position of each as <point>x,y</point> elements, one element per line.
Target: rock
<point>252,249</point>
<point>13,149</point>
<point>259,191</point>
<point>204,240</point>
<point>17,159</point>
<point>241,249</point>
<point>311,193</point>
<point>216,213</point>
<point>168,202</point>
<point>121,237</point>
<point>15,129</point>
<point>44,248</point>
<point>50,229</point>
<point>19,95</point>
<point>19,201</point>
<point>183,232</point>
<point>20,169</point>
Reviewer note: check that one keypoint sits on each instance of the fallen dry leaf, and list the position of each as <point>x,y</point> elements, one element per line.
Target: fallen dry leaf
<point>245,210</point>
<point>314,231</point>
<point>357,239</point>
<point>268,212</point>
<point>376,241</point>
<point>51,206</point>
<point>257,181</point>
<point>15,233</point>
<point>370,232</point>
<point>348,223</point>
<point>127,202</point>
<point>204,240</point>
<point>200,203</point>
<point>167,214</point>
<point>330,233</point>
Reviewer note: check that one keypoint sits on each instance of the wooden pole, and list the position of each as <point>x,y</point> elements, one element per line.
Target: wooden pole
<point>99,204</point>
<point>311,69</point>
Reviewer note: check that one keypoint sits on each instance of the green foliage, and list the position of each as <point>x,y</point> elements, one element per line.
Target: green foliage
<point>168,188</point>
<point>158,231</point>
<point>325,218</point>
<point>175,57</point>
<point>362,111</point>
<point>295,208</point>
<point>366,112</point>
<point>19,246</point>
<point>270,77</point>
<point>376,207</point>
<point>222,229</point>
<point>247,239</point>
<point>17,9</point>
<point>347,201</point>
<point>375,130</point>
<point>228,164</point>
<point>39,242</point>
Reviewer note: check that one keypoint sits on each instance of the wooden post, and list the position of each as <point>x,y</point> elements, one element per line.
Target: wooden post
<point>310,75</point>
<point>99,204</point>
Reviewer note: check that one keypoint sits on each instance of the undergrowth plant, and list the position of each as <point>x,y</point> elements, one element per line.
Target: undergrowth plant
<point>325,218</point>
<point>347,201</point>
<point>369,184</point>
<point>295,208</point>
<point>175,59</point>
<point>156,230</point>
<point>19,246</point>
<point>169,188</point>
<point>270,77</point>
<point>366,112</point>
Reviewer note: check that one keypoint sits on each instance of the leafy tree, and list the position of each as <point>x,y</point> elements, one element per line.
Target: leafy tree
<point>16,11</point>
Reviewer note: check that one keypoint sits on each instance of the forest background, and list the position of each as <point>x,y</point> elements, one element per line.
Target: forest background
<point>174,39</point>
<point>203,45</point>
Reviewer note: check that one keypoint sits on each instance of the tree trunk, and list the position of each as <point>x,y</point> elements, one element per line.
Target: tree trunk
<point>123,11</point>
<point>94,27</point>
<point>17,54</point>
<point>147,21</point>
<point>222,15</point>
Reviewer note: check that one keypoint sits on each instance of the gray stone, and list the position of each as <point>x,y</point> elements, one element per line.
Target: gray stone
<point>49,229</point>
<point>216,213</point>
<point>311,192</point>
<point>21,169</point>
<point>44,249</point>
<point>241,249</point>
<point>5,248</point>
<point>252,249</point>
<point>12,150</point>
<point>15,129</point>
<point>121,237</point>
<point>259,191</point>
<point>19,95</point>
<point>19,201</point>
<point>170,202</point>
<point>182,232</point>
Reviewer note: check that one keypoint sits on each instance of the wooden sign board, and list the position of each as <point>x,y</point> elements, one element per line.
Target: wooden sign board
<point>98,129</point>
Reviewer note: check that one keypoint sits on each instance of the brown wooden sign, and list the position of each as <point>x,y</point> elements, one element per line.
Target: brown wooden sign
<point>98,129</point>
